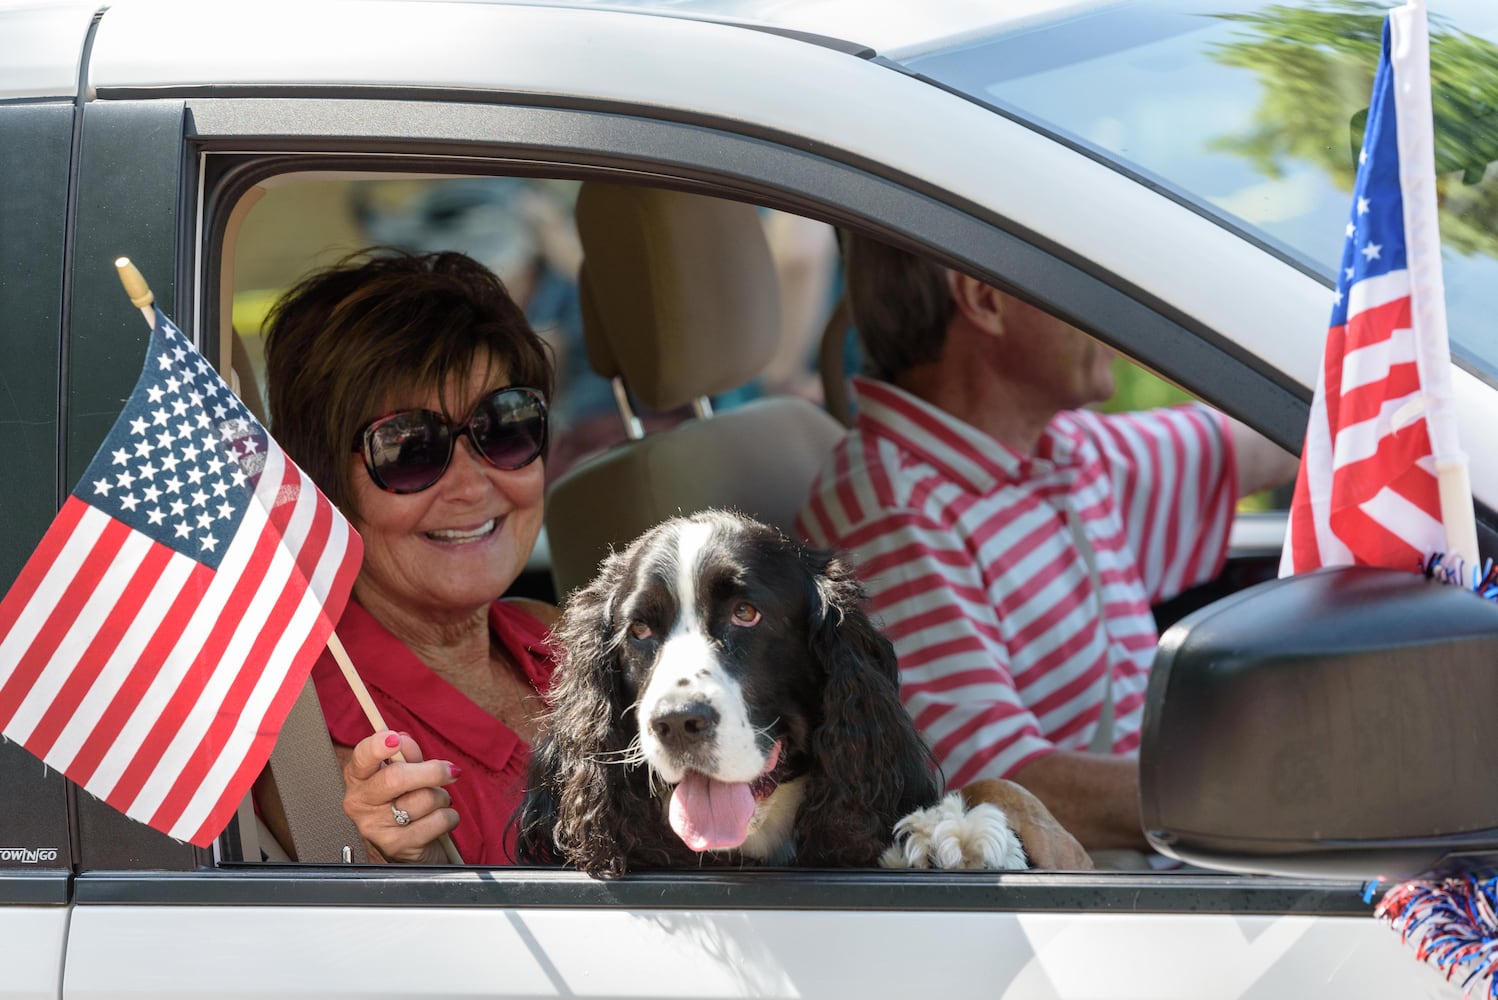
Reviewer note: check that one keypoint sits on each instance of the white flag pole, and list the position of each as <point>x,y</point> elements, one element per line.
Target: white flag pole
<point>1410,55</point>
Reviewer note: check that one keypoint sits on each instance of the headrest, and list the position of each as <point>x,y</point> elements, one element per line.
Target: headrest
<point>595,344</point>
<point>679,291</point>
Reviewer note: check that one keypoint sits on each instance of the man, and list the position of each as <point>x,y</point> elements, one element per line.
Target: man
<point>1011,541</point>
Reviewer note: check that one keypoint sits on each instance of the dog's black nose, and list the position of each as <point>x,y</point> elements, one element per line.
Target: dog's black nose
<point>683,725</point>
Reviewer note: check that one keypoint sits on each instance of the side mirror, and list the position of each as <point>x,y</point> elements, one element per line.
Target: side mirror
<point>1335,724</point>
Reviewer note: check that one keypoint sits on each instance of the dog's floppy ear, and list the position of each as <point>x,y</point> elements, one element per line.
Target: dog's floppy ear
<point>875,767</point>
<point>577,809</point>
<point>567,795</point>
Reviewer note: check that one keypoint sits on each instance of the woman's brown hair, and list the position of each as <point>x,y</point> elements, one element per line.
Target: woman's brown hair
<point>379,324</point>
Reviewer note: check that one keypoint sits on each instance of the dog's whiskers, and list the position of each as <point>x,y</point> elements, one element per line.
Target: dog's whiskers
<point>659,786</point>
<point>630,756</point>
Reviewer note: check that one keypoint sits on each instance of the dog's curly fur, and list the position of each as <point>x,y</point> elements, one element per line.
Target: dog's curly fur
<point>594,803</point>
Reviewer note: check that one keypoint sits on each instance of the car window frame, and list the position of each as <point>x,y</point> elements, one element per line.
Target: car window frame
<point>212,149</point>
<point>583,144</point>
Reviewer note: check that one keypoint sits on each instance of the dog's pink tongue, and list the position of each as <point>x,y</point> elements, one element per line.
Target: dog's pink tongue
<point>710,815</point>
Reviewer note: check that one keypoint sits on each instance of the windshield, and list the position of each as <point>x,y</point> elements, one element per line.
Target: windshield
<point>1254,112</point>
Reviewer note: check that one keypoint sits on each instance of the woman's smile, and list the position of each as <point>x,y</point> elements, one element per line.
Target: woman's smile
<point>449,536</point>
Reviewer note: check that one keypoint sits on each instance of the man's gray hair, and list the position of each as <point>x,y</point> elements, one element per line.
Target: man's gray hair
<point>901,304</point>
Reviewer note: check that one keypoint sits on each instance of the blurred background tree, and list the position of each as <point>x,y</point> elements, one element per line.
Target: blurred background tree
<point>1314,63</point>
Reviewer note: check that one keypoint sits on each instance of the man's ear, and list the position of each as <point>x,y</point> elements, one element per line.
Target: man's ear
<point>977,302</point>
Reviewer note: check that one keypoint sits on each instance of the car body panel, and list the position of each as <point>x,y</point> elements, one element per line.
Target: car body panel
<point>44,45</point>
<point>32,943</point>
<point>773,933</point>
<point>505,952</point>
<point>35,147</point>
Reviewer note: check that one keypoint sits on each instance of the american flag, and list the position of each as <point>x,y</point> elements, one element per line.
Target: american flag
<point>1367,492</point>
<point>153,644</point>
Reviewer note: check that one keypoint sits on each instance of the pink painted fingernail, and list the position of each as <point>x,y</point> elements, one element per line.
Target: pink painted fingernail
<point>392,740</point>
<point>454,771</point>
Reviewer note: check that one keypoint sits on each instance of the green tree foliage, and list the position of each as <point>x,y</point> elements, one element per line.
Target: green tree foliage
<point>1314,63</point>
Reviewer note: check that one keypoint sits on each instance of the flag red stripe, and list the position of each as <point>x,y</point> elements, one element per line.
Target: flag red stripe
<point>1304,548</point>
<point>343,579</point>
<point>71,694</point>
<point>257,662</point>
<point>346,570</point>
<point>1372,541</point>
<point>1358,482</point>
<point>265,739</point>
<point>1377,323</point>
<point>254,665</point>
<point>308,551</point>
<point>1368,401</point>
<point>64,615</point>
<point>107,730</point>
<point>35,570</point>
<point>197,675</point>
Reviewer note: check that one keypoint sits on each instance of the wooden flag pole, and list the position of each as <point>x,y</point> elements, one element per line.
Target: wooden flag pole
<point>136,287</point>
<point>142,297</point>
<point>372,713</point>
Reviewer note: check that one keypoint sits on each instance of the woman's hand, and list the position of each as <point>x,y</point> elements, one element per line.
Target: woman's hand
<point>381,789</point>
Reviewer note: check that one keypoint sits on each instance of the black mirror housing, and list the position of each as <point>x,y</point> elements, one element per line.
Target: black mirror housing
<point>1338,723</point>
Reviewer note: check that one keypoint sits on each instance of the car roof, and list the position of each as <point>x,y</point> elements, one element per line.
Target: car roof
<point>43,46</point>
<point>896,28</point>
<point>47,36</point>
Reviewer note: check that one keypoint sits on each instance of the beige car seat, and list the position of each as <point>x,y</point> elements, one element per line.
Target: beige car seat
<point>680,303</point>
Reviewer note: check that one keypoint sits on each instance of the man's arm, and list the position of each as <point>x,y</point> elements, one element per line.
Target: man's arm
<point>1262,464</point>
<point>1095,796</point>
<point>955,682</point>
<point>930,596</point>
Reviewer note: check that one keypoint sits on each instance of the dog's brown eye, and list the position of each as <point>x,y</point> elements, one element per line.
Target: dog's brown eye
<point>639,630</point>
<point>746,615</point>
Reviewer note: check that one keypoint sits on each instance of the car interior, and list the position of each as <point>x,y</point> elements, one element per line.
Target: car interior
<point>702,350</point>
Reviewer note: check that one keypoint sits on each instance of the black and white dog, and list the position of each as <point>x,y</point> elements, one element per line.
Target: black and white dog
<point>723,699</point>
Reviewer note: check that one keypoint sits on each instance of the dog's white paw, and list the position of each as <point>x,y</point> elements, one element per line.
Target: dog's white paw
<point>950,835</point>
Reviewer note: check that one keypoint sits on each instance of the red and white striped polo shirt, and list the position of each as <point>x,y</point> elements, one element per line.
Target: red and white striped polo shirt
<point>969,561</point>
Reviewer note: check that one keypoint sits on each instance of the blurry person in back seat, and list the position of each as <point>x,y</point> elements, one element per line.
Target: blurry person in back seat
<point>414,392</point>
<point>1012,541</point>
<point>522,229</point>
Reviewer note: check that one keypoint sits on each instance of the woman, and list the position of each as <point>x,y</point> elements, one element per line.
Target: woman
<point>413,391</point>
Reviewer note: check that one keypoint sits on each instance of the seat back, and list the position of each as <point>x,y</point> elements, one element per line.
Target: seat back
<point>681,303</point>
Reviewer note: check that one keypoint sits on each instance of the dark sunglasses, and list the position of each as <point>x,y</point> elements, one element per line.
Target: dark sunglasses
<point>408,451</point>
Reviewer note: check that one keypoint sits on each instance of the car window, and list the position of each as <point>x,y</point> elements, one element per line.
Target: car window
<point>523,228</point>
<point>1265,137</point>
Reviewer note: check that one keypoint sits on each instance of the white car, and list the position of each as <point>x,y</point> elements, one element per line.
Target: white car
<point>1172,176</point>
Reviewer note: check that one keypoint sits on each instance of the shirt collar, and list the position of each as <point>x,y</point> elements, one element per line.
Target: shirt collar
<point>970,457</point>
<point>387,664</point>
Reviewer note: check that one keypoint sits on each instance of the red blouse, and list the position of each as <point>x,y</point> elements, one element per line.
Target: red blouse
<point>445,724</point>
